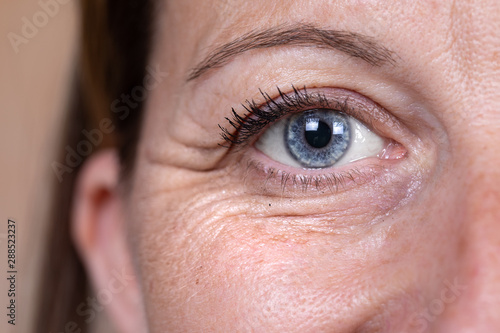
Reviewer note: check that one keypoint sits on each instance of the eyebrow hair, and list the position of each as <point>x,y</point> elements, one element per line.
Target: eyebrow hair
<point>351,43</point>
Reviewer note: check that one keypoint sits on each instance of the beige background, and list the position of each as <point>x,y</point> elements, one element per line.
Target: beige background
<point>34,86</point>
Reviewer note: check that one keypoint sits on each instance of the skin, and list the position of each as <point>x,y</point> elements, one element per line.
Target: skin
<point>412,245</point>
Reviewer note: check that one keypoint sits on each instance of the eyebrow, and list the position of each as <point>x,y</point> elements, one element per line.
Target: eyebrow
<point>351,43</point>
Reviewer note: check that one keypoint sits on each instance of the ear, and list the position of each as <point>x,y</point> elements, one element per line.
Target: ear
<point>99,233</point>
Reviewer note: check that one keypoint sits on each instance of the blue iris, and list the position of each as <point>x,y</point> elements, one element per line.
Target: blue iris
<point>318,138</point>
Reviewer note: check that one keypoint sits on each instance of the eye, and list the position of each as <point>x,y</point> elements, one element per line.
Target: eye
<point>319,138</point>
<point>310,134</point>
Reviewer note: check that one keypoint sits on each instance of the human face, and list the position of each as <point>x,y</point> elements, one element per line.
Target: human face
<point>406,239</point>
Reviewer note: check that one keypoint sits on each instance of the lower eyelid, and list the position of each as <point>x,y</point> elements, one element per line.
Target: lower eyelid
<point>274,179</point>
<point>275,176</point>
<point>258,159</point>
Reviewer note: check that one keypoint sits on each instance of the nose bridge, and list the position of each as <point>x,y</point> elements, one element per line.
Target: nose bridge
<point>473,127</point>
<point>481,220</point>
<point>478,213</point>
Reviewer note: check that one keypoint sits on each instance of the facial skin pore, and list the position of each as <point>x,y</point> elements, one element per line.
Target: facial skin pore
<point>406,245</point>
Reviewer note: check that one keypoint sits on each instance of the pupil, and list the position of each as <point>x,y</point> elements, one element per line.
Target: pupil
<point>318,133</point>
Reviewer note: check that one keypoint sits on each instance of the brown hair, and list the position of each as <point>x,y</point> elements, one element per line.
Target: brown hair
<point>115,47</point>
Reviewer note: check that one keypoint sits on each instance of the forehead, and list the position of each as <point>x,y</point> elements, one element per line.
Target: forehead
<point>192,28</point>
<point>187,30</point>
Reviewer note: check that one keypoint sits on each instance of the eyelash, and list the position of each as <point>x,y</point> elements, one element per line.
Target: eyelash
<point>259,117</point>
<point>332,180</point>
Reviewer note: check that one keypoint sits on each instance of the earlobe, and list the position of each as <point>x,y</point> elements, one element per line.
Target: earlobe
<point>99,233</point>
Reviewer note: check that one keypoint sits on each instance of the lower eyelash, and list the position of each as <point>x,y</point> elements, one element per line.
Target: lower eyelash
<point>332,181</point>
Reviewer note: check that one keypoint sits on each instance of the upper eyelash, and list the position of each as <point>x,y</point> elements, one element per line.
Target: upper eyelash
<point>258,117</point>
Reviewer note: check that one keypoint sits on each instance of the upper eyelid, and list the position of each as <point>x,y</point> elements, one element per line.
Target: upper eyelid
<point>267,112</point>
<point>273,109</point>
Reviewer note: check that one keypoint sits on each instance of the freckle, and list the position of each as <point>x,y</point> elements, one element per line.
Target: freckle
<point>200,267</point>
<point>197,281</point>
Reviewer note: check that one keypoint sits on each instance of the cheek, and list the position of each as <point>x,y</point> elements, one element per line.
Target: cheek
<point>205,268</point>
<point>292,283</point>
